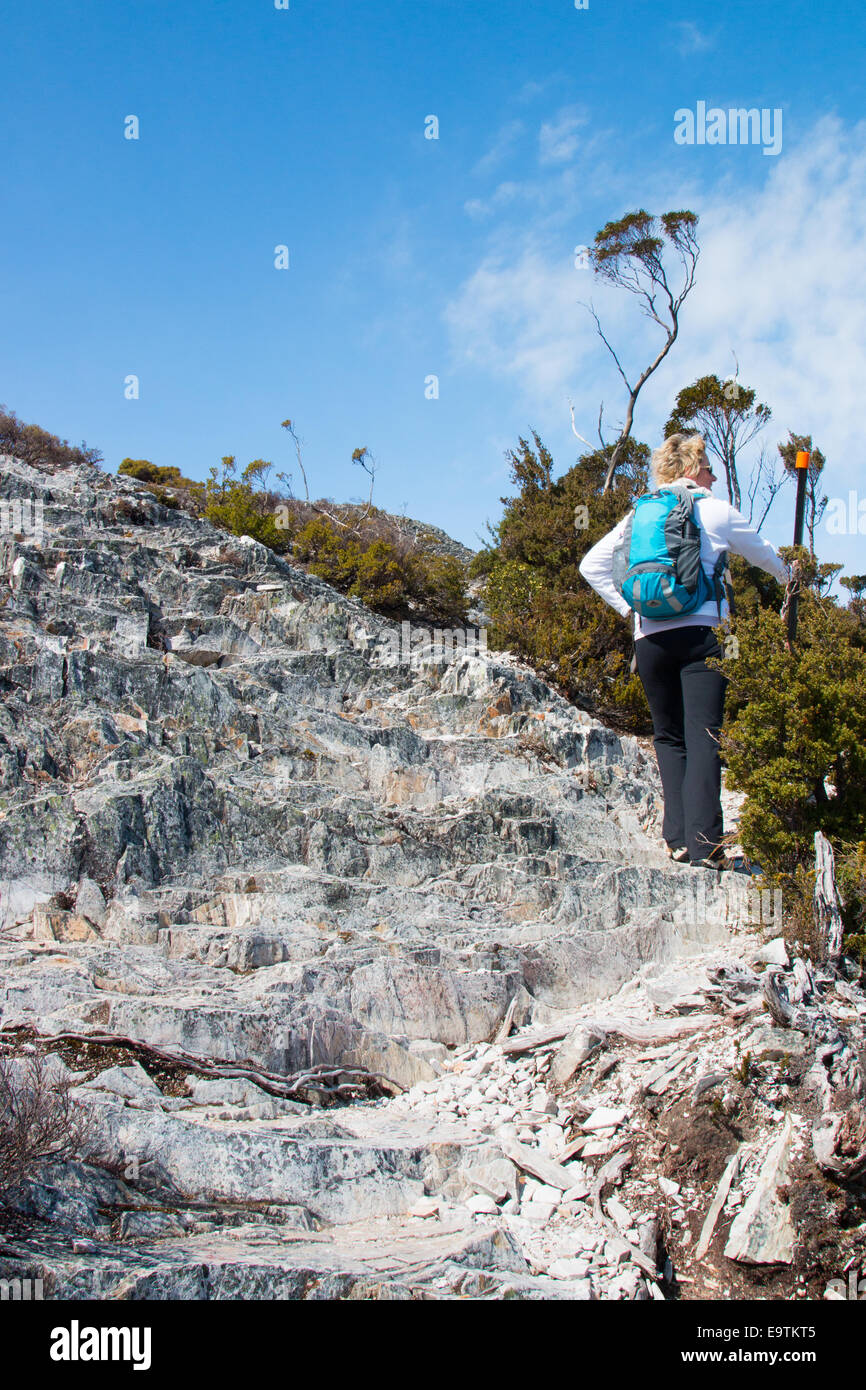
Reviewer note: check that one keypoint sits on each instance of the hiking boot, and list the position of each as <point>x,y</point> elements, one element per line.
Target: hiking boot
<point>678,853</point>
<point>719,863</point>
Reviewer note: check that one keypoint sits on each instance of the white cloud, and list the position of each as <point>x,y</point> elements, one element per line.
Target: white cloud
<point>512,320</point>
<point>692,39</point>
<point>502,146</point>
<point>502,195</point>
<point>558,140</point>
<point>779,282</point>
<point>532,90</point>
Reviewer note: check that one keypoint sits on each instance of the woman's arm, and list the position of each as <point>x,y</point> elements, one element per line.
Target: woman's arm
<point>597,569</point>
<point>744,540</point>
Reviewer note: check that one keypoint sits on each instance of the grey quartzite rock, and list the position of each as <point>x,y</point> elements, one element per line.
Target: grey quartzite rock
<point>229,826</point>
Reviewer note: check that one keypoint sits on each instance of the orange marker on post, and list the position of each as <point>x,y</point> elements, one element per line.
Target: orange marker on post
<point>802,463</point>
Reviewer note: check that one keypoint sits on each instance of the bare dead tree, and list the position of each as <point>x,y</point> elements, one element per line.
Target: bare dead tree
<point>361,456</point>
<point>364,459</point>
<point>579,436</point>
<point>629,254</point>
<point>765,483</point>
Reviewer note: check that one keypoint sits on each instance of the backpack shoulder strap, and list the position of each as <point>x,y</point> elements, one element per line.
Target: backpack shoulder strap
<point>687,496</point>
<point>683,492</point>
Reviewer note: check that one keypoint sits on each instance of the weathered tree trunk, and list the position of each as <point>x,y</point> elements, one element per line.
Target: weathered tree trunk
<point>828,917</point>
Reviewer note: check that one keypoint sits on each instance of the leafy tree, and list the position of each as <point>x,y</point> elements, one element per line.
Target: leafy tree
<point>727,416</point>
<point>856,585</point>
<point>630,254</point>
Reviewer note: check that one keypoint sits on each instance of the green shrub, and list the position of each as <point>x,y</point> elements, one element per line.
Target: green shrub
<point>851,878</point>
<point>482,562</point>
<point>167,484</point>
<point>795,738</point>
<point>437,586</point>
<point>540,606</point>
<point>380,579</point>
<point>320,545</point>
<point>147,472</point>
<point>394,579</point>
<point>242,505</point>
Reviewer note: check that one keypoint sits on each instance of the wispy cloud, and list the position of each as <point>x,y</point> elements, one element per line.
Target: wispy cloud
<point>691,39</point>
<point>502,147</point>
<point>501,196</point>
<point>532,90</point>
<point>559,140</point>
<point>520,321</point>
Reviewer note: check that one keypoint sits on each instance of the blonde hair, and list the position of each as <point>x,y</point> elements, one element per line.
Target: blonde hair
<point>680,456</point>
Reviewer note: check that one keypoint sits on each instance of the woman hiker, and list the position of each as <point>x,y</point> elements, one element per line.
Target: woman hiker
<point>686,697</point>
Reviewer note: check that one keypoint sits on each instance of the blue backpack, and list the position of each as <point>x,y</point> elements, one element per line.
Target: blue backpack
<point>657,564</point>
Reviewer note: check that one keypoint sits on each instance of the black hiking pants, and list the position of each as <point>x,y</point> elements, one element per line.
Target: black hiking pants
<point>687,701</point>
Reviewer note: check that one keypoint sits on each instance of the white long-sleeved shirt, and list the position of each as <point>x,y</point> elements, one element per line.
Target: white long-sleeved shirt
<point>722,528</point>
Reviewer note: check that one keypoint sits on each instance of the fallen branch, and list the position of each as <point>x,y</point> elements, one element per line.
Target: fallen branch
<point>515,1047</point>
<point>337,1082</point>
<point>609,1172</point>
<point>660,1078</point>
<point>631,1029</point>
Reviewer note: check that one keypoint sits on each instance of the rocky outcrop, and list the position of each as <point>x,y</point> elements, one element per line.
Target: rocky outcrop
<point>252,838</point>
<point>231,826</point>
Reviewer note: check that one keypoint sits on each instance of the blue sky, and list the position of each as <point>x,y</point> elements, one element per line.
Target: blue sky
<point>413,257</point>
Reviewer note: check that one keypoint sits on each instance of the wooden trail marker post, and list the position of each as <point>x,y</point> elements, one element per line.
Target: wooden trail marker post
<point>803,459</point>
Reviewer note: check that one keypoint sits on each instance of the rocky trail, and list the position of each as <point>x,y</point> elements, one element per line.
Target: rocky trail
<point>231,831</point>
